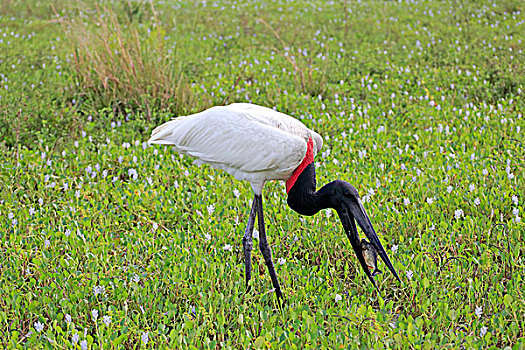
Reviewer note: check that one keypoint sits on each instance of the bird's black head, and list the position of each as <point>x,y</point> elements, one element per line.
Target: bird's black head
<point>342,192</point>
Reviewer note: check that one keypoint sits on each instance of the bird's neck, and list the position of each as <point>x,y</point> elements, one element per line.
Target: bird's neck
<point>303,197</point>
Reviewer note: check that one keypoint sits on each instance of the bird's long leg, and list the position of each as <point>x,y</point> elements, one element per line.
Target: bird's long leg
<point>265,248</point>
<point>247,243</point>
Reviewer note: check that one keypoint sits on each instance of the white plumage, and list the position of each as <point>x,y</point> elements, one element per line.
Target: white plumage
<point>251,142</point>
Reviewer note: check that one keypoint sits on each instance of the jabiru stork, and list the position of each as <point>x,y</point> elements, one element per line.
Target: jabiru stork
<point>259,144</point>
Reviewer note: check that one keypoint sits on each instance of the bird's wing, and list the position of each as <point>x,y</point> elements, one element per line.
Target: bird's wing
<point>234,140</point>
<point>279,120</point>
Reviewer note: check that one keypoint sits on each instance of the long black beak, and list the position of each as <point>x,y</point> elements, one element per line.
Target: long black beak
<point>353,209</point>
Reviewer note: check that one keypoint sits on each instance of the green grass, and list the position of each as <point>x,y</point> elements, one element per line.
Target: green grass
<point>421,107</point>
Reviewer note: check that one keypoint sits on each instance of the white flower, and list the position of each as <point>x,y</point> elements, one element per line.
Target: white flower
<point>458,213</point>
<point>211,208</point>
<point>94,312</point>
<point>67,232</point>
<point>227,247</point>
<point>47,243</point>
<point>133,173</point>
<point>471,187</point>
<point>39,326</point>
<point>77,193</point>
<point>406,201</point>
<point>99,290</point>
<point>256,234</point>
<point>479,311</point>
<point>135,278</point>
<point>432,228</point>
<point>106,319</point>
<point>410,274</point>
<point>477,201</point>
<point>75,338</point>
<point>32,211</point>
<point>207,237</point>
<point>145,337</point>
<point>515,199</point>
<point>338,297</point>
<point>395,247</point>
<point>483,331</point>
<point>236,193</point>
<point>485,172</point>
<point>155,226</point>
<point>68,318</point>
<point>515,211</point>
<point>430,200</point>
<point>10,216</point>
<point>281,261</point>
<point>83,344</point>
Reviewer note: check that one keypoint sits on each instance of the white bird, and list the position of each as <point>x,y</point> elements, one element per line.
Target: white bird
<point>259,144</point>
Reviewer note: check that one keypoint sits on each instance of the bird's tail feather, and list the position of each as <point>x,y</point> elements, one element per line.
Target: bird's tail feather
<point>161,134</point>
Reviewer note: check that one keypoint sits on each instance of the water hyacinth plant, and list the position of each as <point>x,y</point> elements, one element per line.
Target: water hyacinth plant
<point>106,242</point>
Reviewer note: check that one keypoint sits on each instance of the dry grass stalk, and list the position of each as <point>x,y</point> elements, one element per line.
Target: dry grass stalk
<point>311,80</point>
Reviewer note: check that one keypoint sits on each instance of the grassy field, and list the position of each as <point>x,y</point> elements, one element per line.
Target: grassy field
<point>107,242</point>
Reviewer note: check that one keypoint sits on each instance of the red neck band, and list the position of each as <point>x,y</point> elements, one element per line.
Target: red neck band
<point>308,159</point>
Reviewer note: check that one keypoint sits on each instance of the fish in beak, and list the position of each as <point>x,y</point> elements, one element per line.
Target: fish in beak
<point>370,255</point>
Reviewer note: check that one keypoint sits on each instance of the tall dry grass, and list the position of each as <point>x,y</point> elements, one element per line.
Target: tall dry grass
<point>120,67</point>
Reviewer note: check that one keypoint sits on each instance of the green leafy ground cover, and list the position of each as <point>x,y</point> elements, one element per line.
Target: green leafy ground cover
<point>107,242</point>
